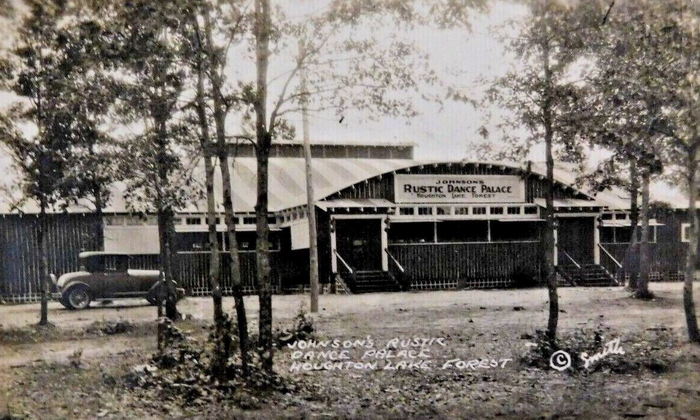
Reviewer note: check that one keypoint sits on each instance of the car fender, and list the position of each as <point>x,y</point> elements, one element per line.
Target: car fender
<point>70,285</point>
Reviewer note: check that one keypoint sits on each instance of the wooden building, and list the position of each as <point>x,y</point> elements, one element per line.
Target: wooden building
<point>385,222</point>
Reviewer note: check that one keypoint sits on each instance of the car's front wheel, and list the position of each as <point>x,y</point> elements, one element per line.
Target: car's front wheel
<point>77,297</point>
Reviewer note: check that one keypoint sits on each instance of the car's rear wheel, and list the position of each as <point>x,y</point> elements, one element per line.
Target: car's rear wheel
<point>77,297</point>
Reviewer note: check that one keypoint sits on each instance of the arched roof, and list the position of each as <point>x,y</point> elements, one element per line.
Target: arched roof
<point>330,175</point>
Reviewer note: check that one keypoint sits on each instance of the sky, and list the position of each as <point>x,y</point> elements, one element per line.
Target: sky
<point>440,131</point>
<point>444,131</point>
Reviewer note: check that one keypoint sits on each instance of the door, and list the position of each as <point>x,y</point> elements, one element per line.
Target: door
<point>358,241</point>
<point>575,237</point>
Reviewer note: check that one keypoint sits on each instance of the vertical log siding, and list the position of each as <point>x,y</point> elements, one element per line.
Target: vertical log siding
<point>469,264</point>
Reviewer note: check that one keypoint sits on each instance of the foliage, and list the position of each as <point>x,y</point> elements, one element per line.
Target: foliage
<point>147,45</point>
<point>109,327</point>
<point>182,373</point>
<point>560,31</point>
<point>302,329</point>
<point>33,71</point>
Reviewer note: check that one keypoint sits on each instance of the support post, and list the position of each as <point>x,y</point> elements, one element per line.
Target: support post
<point>556,243</point>
<point>385,244</point>
<point>334,258</point>
<point>596,241</point>
<point>310,203</point>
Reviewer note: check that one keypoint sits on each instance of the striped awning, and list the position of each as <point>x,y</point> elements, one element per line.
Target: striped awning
<point>350,203</point>
<point>287,182</point>
<point>569,202</point>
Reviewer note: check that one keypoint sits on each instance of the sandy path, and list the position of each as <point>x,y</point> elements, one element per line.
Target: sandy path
<point>492,309</point>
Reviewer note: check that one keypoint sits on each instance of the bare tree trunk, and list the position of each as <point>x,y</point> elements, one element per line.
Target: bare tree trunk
<point>688,304</point>
<point>215,68</point>
<point>644,260</point>
<point>633,250</point>
<point>549,244</point>
<point>166,229</point>
<point>44,286</point>
<point>264,143</point>
<point>99,225</point>
<point>310,203</point>
<point>223,344</point>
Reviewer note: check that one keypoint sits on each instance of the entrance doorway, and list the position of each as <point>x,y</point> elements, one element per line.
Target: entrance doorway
<point>575,236</point>
<point>358,241</point>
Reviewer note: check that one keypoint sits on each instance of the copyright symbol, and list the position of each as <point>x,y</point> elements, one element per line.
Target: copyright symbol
<point>560,360</point>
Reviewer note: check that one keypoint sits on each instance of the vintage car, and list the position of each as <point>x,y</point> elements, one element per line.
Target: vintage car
<point>106,276</point>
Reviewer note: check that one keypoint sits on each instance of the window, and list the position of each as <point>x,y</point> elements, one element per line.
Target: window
<point>479,210</point>
<point>623,234</point>
<point>411,233</point>
<point>271,220</point>
<point>250,220</point>
<point>94,264</point>
<point>531,210</point>
<point>406,211</point>
<point>652,234</point>
<point>513,210</point>
<point>514,231</point>
<point>462,211</point>
<point>116,263</point>
<point>607,216</point>
<point>607,235</point>
<point>463,231</point>
<point>496,210</point>
<point>424,211</point>
<point>193,221</point>
<point>685,232</point>
<point>443,211</point>
<point>620,216</point>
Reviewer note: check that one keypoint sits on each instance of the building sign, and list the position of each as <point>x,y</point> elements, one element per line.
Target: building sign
<point>458,189</point>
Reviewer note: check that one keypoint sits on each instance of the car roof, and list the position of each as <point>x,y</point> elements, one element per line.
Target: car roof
<point>87,254</point>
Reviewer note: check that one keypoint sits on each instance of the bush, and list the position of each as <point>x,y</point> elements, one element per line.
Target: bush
<point>301,329</point>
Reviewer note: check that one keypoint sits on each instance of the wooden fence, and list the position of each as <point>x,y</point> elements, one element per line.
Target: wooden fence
<point>476,264</point>
<point>667,259</point>
<point>67,235</point>
<point>192,269</point>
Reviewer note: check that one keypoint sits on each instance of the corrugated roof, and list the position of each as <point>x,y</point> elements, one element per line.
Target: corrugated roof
<point>568,202</point>
<point>287,185</point>
<point>354,203</point>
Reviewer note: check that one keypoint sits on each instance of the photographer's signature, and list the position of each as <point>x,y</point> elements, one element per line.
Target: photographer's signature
<point>561,360</point>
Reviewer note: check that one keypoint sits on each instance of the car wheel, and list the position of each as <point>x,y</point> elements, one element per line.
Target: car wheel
<point>77,297</point>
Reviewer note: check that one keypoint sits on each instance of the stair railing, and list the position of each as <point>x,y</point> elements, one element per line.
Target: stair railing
<point>566,275</point>
<point>566,254</point>
<point>617,263</point>
<point>397,271</point>
<point>351,273</point>
<point>614,260</point>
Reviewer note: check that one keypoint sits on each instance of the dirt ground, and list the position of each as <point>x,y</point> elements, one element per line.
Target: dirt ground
<point>39,376</point>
